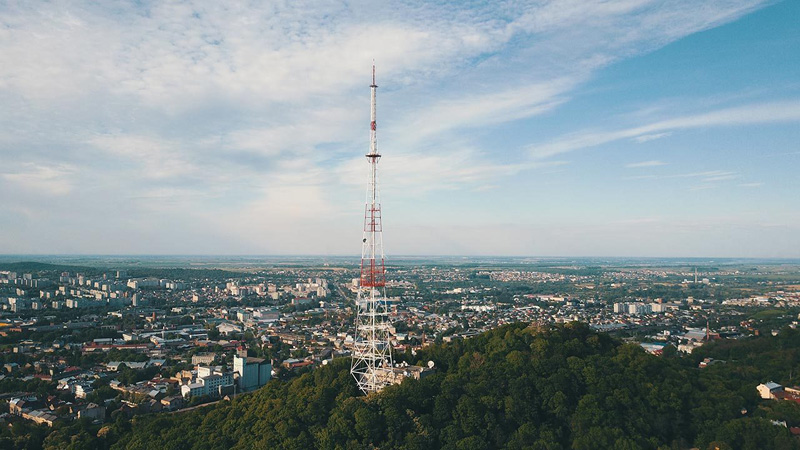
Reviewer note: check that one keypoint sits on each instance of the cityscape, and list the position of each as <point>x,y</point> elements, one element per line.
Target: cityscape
<point>589,209</point>
<point>103,343</point>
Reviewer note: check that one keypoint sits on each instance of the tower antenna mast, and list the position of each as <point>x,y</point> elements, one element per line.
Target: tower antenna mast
<point>372,350</point>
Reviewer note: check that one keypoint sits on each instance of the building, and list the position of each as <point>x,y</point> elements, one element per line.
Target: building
<point>228,329</point>
<point>40,417</point>
<point>83,389</point>
<point>193,390</point>
<point>396,375</point>
<point>769,390</point>
<point>211,380</point>
<point>175,285</point>
<point>93,412</point>
<point>172,403</point>
<point>294,363</point>
<point>203,358</point>
<point>214,381</point>
<point>204,371</point>
<point>689,346</point>
<point>18,405</point>
<point>73,303</point>
<point>140,283</point>
<point>18,304</point>
<point>639,308</point>
<point>253,372</point>
<point>301,301</point>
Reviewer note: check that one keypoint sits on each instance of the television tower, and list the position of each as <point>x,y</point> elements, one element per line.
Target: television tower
<point>372,351</point>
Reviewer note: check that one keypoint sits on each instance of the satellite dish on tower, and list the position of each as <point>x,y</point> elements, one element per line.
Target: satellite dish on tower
<point>430,364</point>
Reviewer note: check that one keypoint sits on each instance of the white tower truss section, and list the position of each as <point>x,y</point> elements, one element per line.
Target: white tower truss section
<point>372,349</point>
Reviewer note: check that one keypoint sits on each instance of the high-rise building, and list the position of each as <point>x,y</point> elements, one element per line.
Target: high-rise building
<point>253,372</point>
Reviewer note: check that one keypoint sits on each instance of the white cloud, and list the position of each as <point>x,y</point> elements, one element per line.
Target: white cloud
<point>723,177</point>
<point>708,178</point>
<point>439,169</point>
<point>159,158</point>
<point>250,118</point>
<point>650,137</point>
<point>50,180</point>
<point>776,112</point>
<point>709,175</point>
<point>175,56</point>
<point>651,163</point>
<point>487,109</point>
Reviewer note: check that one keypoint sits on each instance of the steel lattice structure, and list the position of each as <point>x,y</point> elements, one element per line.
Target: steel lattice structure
<point>372,349</point>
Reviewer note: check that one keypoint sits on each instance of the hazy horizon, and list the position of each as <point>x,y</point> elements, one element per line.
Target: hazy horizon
<point>210,259</point>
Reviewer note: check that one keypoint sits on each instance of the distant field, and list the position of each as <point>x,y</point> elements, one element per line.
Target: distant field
<point>769,314</point>
<point>779,270</point>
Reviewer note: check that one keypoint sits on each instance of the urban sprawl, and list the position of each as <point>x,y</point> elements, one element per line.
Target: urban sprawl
<point>100,343</point>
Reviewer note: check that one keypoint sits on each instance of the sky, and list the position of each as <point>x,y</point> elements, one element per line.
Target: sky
<point>519,128</point>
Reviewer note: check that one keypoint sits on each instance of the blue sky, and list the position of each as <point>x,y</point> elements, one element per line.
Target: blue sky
<point>543,128</point>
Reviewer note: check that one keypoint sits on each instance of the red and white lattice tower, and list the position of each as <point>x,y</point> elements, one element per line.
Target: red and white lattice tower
<point>372,349</point>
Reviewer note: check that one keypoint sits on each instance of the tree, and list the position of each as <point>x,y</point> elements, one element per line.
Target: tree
<point>513,387</point>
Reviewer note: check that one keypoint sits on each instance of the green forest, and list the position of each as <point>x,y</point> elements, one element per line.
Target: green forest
<point>516,387</point>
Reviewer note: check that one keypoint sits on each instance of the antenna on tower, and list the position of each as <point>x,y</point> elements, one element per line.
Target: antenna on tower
<point>371,363</point>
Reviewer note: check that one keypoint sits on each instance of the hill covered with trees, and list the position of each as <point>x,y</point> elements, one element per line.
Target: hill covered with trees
<point>516,387</point>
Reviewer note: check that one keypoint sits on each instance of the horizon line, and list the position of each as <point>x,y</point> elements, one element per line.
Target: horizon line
<point>355,256</point>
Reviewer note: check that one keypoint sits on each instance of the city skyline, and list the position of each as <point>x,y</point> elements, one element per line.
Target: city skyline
<point>551,129</point>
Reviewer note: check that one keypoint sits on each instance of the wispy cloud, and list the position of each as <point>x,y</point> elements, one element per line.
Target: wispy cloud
<point>252,117</point>
<point>708,177</point>
<point>651,163</point>
<point>721,177</point>
<point>451,169</point>
<point>703,187</point>
<point>487,109</point>
<point>650,137</point>
<point>775,112</point>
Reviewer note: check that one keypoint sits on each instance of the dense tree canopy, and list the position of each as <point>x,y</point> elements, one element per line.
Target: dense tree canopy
<point>516,387</point>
